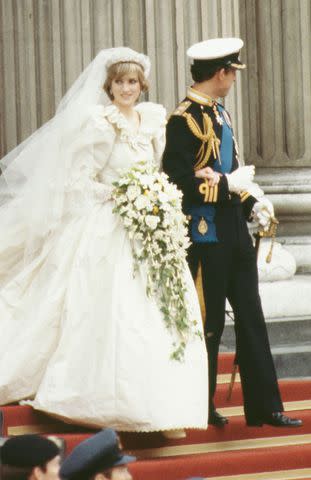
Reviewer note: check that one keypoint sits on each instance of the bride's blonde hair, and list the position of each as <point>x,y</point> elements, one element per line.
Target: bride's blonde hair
<point>118,70</point>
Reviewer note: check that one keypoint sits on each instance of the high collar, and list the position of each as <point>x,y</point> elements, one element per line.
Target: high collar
<point>200,97</point>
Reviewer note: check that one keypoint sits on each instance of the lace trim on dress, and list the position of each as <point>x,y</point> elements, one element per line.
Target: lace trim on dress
<point>152,119</point>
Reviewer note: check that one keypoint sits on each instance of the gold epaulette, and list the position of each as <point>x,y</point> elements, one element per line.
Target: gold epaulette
<point>210,142</point>
<point>182,107</point>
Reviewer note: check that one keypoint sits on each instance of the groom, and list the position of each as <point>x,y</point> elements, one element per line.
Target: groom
<point>201,158</point>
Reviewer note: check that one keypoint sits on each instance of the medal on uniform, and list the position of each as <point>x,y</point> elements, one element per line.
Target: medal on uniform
<point>219,120</point>
<point>202,227</point>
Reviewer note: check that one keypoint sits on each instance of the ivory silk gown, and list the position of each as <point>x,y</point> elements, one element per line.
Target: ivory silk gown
<point>79,336</point>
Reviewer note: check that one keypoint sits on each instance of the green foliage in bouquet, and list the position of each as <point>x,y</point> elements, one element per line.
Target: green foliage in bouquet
<point>150,209</point>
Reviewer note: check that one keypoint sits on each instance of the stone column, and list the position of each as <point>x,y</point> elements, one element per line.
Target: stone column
<point>277,112</point>
<point>277,139</point>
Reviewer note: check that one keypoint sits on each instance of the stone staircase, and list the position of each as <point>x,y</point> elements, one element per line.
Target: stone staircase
<point>287,308</point>
<point>285,283</point>
<point>235,452</point>
<point>290,340</point>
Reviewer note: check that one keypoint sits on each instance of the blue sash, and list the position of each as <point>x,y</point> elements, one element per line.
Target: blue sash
<point>226,146</point>
<point>207,212</point>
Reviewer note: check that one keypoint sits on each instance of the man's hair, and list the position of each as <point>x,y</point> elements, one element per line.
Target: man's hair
<point>15,473</point>
<point>108,473</point>
<point>203,70</point>
<point>9,472</point>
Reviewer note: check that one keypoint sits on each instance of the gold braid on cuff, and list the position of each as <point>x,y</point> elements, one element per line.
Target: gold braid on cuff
<point>210,193</point>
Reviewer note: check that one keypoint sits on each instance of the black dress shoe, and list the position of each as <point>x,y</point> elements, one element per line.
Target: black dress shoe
<point>216,419</point>
<point>277,419</point>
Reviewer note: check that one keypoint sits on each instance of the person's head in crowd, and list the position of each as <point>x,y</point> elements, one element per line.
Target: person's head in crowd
<point>98,458</point>
<point>29,457</point>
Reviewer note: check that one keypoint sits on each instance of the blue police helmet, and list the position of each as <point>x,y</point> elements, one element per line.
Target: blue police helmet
<point>98,453</point>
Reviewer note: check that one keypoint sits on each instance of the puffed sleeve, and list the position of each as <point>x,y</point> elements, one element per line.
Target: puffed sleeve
<point>158,141</point>
<point>154,121</point>
<point>93,149</point>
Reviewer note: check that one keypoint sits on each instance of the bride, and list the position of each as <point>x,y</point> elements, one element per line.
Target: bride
<point>80,339</point>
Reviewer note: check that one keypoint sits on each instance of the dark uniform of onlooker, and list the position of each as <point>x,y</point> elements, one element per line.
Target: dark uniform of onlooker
<point>29,457</point>
<point>99,457</point>
<point>201,158</point>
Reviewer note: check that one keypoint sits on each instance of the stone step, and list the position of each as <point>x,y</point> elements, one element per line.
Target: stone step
<point>287,332</point>
<point>300,248</point>
<point>287,308</point>
<point>292,360</point>
<point>287,298</point>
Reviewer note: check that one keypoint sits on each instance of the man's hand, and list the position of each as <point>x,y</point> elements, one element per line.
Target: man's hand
<point>262,213</point>
<point>241,179</point>
<point>208,173</point>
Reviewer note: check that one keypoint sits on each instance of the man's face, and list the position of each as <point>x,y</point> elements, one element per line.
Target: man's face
<point>121,473</point>
<point>226,80</point>
<point>51,471</point>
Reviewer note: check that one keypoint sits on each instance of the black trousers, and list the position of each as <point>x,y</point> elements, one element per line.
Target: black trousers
<point>229,270</point>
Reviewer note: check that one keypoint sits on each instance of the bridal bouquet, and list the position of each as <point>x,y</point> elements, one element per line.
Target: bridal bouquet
<point>150,209</point>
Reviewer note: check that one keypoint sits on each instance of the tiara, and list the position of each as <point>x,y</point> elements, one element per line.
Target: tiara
<point>124,54</point>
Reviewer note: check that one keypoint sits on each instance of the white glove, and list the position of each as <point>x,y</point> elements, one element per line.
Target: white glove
<point>240,179</point>
<point>262,212</point>
<point>255,191</point>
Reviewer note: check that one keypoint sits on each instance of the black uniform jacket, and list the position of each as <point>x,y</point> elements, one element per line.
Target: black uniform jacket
<point>193,141</point>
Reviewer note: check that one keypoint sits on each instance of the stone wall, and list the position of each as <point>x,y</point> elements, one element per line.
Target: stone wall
<point>277,113</point>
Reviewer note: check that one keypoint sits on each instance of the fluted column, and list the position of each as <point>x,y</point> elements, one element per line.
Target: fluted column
<point>277,113</point>
<point>276,94</point>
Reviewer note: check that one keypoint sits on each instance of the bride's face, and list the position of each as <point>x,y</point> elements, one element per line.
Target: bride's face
<point>125,90</point>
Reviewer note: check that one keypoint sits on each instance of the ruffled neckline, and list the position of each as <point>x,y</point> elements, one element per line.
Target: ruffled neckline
<point>152,118</point>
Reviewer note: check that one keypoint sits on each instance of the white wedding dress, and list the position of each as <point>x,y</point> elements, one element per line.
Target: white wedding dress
<point>79,337</point>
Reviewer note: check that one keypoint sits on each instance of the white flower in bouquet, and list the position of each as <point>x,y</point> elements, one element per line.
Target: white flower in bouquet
<point>149,207</point>
<point>146,180</point>
<point>127,222</point>
<point>163,198</point>
<point>172,192</point>
<point>141,202</point>
<point>156,187</point>
<point>133,192</point>
<point>152,221</point>
<point>131,214</point>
